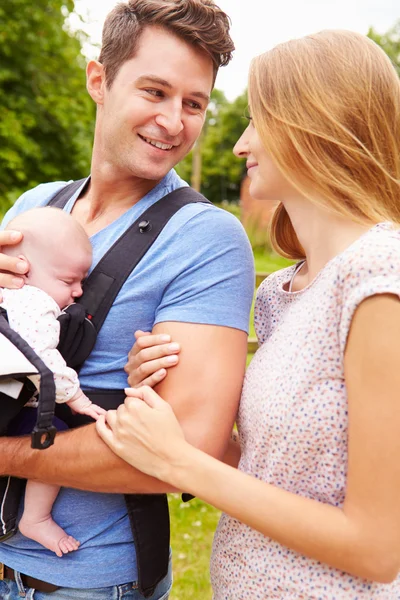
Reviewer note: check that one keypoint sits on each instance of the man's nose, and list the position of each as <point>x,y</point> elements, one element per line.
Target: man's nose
<point>170,119</point>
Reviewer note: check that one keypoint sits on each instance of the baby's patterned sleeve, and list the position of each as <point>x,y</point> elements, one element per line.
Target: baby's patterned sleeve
<point>33,314</point>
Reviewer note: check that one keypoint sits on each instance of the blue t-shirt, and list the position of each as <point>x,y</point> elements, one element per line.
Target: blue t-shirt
<point>199,270</point>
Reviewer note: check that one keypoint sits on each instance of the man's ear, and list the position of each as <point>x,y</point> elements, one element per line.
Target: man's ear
<point>95,81</point>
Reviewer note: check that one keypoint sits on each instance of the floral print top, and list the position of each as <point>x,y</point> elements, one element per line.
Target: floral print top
<point>293,420</point>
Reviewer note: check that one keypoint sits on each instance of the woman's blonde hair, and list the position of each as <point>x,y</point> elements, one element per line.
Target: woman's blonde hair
<point>327,110</point>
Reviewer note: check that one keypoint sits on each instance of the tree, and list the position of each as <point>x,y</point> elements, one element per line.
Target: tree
<point>389,42</point>
<point>222,172</point>
<point>46,114</point>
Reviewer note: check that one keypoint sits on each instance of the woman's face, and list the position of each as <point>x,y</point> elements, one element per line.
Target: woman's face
<point>267,182</point>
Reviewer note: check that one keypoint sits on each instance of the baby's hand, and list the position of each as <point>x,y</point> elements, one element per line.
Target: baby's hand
<point>150,358</point>
<point>81,404</point>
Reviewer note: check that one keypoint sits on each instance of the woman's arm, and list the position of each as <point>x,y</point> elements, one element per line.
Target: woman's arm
<point>232,454</point>
<point>363,536</point>
<point>148,361</point>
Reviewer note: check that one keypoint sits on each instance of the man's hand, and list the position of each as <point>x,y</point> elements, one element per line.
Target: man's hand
<point>11,267</point>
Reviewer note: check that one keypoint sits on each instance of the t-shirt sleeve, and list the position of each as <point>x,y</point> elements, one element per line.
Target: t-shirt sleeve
<point>210,274</point>
<point>38,196</point>
<point>374,270</point>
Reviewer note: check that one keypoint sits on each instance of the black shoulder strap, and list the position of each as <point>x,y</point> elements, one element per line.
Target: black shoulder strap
<point>61,197</point>
<point>44,432</point>
<point>105,281</point>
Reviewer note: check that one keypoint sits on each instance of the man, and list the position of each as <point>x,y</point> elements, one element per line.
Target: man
<point>152,84</point>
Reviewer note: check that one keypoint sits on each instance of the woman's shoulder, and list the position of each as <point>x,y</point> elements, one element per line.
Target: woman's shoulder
<point>277,278</point>
<point>375,254</point>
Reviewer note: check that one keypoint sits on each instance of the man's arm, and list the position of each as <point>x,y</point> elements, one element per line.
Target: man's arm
<point>204,391</point>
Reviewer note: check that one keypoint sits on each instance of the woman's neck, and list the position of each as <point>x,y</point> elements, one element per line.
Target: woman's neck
<point>323,235</point>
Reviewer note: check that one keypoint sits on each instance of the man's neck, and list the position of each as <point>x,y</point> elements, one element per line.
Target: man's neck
<point>107,197</point>
<point>108,186</point>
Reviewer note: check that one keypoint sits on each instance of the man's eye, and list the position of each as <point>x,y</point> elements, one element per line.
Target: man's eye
<point>156,93</point>
<point>195,105</point>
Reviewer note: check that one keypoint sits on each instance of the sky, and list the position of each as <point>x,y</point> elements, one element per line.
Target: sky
<point>258,25</point>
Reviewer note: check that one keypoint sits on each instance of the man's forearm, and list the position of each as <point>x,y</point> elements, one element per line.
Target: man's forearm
<point>78,459</point>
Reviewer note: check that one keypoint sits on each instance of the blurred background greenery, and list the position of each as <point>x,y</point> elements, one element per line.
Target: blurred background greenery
<point>47,117</point>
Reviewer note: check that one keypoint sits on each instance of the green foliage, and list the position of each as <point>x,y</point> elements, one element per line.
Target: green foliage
<point>389,42</point>
<point>222,172</point>
<point>46,114</point>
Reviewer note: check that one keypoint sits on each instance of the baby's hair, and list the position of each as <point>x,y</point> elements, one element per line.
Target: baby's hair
<point>46,230</point>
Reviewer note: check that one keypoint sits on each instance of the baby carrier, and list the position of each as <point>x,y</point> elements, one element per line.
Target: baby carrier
<point>18,360</point>
<point>79,325</point>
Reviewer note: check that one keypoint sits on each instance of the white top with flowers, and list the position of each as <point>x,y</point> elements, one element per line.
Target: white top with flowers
<point>293,420</point>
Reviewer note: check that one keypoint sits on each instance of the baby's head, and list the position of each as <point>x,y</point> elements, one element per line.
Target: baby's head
<point>57,249</point>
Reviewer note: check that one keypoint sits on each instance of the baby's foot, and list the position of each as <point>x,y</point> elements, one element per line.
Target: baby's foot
<point>49,534</point>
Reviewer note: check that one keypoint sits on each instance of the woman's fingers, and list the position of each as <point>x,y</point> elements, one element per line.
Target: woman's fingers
<point>142,374</point>
<point>153,379</point>
<point>150,355</point>
<point>104,431</point>
<point>145,432</point>
<point>150,347</point>
<point>145,393</point>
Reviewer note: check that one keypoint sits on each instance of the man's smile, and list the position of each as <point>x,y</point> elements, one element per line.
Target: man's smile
<point>156,143</point>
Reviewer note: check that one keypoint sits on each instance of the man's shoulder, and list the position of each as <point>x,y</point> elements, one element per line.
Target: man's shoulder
<point>35,197</point>
<point>209,218</point>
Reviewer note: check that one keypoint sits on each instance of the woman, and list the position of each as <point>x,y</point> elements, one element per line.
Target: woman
<point>313,510</point>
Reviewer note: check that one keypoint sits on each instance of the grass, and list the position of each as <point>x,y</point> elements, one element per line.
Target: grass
<point>193,523</point>
<point>192,529</point>
<point>269,261</point>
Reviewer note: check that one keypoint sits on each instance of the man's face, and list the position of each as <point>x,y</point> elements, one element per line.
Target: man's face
<point>152,114</point>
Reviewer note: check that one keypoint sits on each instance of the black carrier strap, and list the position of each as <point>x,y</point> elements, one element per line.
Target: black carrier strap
<point>11,488</point>
<point>107,278</point>
<point>44,431</point>
<point>148,514</point>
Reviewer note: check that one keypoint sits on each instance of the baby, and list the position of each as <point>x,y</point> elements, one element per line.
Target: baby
<point>60,254</point>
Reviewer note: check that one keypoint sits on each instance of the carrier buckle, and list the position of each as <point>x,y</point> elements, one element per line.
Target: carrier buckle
<point>43,438</point>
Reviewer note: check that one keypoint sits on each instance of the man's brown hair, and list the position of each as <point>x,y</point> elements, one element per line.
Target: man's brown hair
<point>200,23</point>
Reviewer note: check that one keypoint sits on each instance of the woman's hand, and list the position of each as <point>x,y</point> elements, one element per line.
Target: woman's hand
<point>11,267</point>
<point>145,432</point>
<point>150,358</point>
